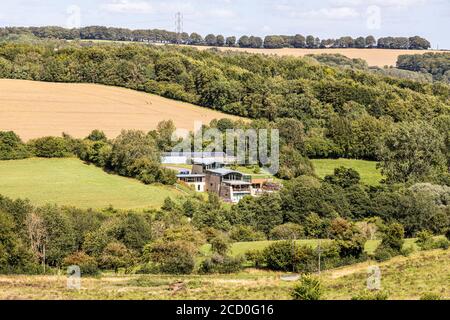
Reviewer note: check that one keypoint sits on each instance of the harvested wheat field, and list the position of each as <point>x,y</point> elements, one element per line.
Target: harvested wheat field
<point>35,109</point>
<point>374,57</point>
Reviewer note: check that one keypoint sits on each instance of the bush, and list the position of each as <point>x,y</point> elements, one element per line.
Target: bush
<point>384,253</point>
<point>221,264</point>
<point>12,147</point>
<point>308,288</point>
<point>288,231</point>
<point>371,295</point>
<point>50,147</point>
<point>425,240</point>
<point>115,256</point>
<point>87,264</point>
<point>281,256</point>
<point>220,244</point>
<point>246,234</point>
<point>393,237</point>
<point>443,244</point>
<point>173,257</point>
<point>407,251</point>
<point>255,257</point>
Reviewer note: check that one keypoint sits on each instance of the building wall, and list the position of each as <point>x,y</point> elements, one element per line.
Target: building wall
<point>197,169</point>
<point>213,183</point>
<point>199,186</point>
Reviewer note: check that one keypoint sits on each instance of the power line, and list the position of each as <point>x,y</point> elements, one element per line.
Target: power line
<point>179,26</point>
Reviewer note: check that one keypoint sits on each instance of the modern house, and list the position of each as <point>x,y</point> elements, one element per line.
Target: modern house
<point>211,175</point>
<point>230,185</point>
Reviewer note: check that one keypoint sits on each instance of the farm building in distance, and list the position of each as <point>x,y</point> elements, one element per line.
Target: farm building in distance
<point>210,175</point>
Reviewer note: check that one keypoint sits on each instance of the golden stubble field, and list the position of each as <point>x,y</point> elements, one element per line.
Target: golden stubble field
<point>35,109</point>
<point>374,57</point>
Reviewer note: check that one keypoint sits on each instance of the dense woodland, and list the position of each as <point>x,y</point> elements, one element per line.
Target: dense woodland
<point>269,42</point>
<point>322,111</point>
<point>343,111</point>
<point>435,64</point>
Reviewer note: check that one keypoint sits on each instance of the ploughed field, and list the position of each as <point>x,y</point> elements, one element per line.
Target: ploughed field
<point>73,183</point>
<point>35,109</point>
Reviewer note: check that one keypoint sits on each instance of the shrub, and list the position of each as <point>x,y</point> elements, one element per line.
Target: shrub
<point>447,234</point>
<point>384,253</point>
<point>50,147</point>
<point>288,231</point>
<point>173,257</point>
<point>308,288</point>
<point>256,257</point>
<point>443,244</point>
<point>12,147</point>
<point>407,251</point>
<point>115,256</point>
<point>393,236</point>
<point>220,244</point>
<point>371,295</point>
<point>245,234</point>
<point>425,240</point>
<point>221,264</point>
<point>281,256</point>
<point>87,264</point>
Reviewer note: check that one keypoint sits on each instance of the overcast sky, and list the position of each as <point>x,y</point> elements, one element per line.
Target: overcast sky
<point>323,18</point>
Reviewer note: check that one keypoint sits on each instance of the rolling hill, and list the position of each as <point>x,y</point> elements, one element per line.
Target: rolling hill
<point>73,183</point>
<point>374,57</point>
<point>36,109</point>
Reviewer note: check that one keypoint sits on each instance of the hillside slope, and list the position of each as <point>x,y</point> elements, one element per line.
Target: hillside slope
<point>71,182</point>
<point>36,109</point>
<point>374,57</point>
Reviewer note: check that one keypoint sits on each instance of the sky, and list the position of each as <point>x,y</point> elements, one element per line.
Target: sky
<point>322,18</point>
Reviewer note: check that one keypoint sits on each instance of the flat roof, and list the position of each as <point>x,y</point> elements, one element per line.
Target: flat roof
<point>191,176</point>
<point>237,183</point>
<point>223,171</point>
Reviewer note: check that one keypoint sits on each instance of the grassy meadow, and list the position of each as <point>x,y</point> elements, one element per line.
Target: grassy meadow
<point>71,182</point>
<point>370,175</point>
<point>240,248</point>
<point>402,277</point>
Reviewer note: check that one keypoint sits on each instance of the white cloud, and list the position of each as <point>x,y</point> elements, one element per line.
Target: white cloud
<point>381,3</point>
<point>128,6</point>
<point>330,13</point>
<point>222,13</point>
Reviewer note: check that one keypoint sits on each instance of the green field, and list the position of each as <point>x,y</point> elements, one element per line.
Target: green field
<point>368,171</point>
<point>240,248</point>
<point>71,182</point>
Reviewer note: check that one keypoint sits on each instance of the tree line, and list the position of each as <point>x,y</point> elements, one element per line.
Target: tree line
<point>269,42</point>
<point>435,64</point>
